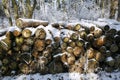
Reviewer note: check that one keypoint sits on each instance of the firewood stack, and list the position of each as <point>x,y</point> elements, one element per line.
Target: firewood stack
<point>36,47</point>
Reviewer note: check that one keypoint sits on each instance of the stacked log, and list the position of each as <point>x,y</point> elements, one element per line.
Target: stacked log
<point>56,48</point>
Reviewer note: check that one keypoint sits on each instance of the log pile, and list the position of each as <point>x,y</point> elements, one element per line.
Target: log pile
<point>59,48</point>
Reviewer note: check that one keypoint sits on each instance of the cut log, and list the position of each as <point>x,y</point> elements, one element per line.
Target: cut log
<point>83,34</point>
<point>25,48</point>
<point>77,27</point>
<point>66,39</point>
<point>114,48</point>
<point>40,33</point>
<point>74,37</point>
<point>99,42</point>
<point>17,32</point>
<point>23,23</point>
<point>19,41</point>
<point>90,53</point>
<point>69,49</point>
<point>26,33</point>
<point>91,68</point>
<point>78,51</point>
<point>39,45</point>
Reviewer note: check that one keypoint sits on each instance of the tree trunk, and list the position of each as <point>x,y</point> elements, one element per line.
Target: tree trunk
<point>113,8</point>
<point>6,8</point>
<point>118,18</point>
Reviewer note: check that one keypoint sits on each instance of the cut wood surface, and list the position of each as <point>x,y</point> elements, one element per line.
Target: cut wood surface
<point>23,23</point>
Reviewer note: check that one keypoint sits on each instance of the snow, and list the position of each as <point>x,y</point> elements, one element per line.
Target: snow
<point>32,20</point>
<point>109,59</point>
<point>67,76</point>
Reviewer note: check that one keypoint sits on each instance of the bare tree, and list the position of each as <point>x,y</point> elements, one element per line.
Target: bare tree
<point>113,8</point>
<point>21,8</point>
<point>118,18</point>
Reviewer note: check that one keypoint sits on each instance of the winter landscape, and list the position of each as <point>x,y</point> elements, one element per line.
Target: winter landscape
<point>59,40</point>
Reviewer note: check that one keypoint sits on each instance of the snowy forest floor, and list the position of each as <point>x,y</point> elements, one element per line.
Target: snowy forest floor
<point>75,76</point>
<point>67,76</point>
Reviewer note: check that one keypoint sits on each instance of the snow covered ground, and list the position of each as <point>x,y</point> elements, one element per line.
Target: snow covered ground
<point>67,76</point>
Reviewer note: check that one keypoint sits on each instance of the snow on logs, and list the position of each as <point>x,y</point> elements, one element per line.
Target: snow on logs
<point>23,23</point>
<point>55,48</point>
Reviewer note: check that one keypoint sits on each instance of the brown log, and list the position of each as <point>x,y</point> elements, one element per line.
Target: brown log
<point>4,70</point>
<point>114,48</point>
<point>13,65</point>
<point>70,59</point>
<point>26,33</point>
<point>57,39</point>
<point>92,28</point>
<point>5,61</point>
<point>9,35</point>
<point>29,41</point>
<point>19,41</point>
<point>76,69</point>
<point>90,37</point>
<point>17,33</point>
<point>16,48</point>
<point>55,67</point>
<point>80,43</point>
<point>91,68</point>
<point>102,49</point>
<point>99,56</point>
<point>69,49</point>
<point>72,44</point>
<point>39,45</point>
<point>63,46</point>
<point>35,54</point>
<point>66,39</point>
<point>47,54</point>
<point>98,33</point>
<point>5,44</point>
<point>83,34</point>
<point>56,25</point>
<point>77,27</point>
<point>64,58</point>
<point>74,36</point>
<point>25,48</point>
<point>90,53</point>
<point>24,68</point>
<point>99,41</point>
<point>78,51</point>
<point>48,41</point>
<point>25,58</point>
<point>23,23</point>
<point>40,33</point>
